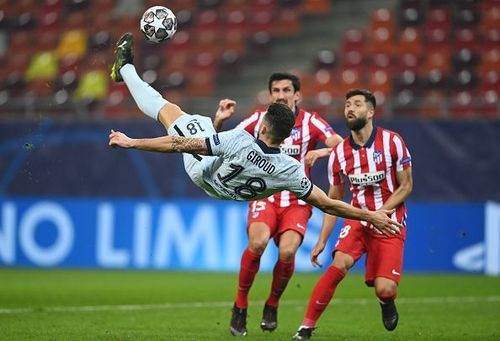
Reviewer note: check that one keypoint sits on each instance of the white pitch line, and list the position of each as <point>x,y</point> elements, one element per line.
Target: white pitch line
<point>133,307</point>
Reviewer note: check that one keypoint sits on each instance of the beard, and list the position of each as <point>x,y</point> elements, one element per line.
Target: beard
<point>357,124</point>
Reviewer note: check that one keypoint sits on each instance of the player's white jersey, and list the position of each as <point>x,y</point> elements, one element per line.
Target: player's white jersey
<point>245,168</point>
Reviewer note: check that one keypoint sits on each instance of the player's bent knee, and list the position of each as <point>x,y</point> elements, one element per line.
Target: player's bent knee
<point>342,261</point>
<point>169,113</point>
<point>257,246</point>
<point>385,288</point>
<point>287,254</point>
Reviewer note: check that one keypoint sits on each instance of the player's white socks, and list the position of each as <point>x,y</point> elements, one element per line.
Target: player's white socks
<point>147,99</point>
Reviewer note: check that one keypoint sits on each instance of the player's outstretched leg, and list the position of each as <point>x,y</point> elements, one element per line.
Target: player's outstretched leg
<point>238,325</point>
<point>303,333</point>
<point>147,99</point>
<point>123,55</point>
<point>269,318</point>
<point>390,315</point>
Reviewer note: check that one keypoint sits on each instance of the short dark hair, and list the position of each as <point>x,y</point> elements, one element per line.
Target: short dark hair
<point>369,97</point>
<point>279,76</point>
<point>280,119</point>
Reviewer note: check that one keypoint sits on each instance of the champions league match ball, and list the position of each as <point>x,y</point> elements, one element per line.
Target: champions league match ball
<point>158,24</point>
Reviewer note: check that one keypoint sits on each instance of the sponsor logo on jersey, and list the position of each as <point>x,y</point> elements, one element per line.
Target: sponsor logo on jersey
<point>290,149</point>
<point>367,178</point>
<point>377,156</point>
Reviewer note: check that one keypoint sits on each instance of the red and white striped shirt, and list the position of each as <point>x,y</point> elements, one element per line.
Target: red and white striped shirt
<point>309,128</point>
<point>371,169</point>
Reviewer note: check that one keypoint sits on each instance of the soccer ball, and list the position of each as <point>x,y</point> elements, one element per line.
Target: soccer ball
<point>158,24</point>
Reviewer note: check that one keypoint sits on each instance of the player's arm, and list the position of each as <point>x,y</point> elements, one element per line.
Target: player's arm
<point>163,144</point>
<point>336,192</point>
<point>313,155</point>
<point>404,179</point>
<point>379,219</point>
<point>224,111</point>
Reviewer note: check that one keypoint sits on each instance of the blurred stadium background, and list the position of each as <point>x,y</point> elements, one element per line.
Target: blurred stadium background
<point>68,201</point>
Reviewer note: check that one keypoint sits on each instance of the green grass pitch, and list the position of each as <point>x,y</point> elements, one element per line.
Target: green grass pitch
<point>116,305</point>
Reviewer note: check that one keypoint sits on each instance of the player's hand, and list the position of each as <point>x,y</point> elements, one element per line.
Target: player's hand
<point>118,139</point>
<point>382,222</point>
<point>311,157</point>
<point>316,251</point>
<point>225,109</point>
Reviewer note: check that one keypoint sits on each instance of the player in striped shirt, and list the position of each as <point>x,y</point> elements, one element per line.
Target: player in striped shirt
<point>282,216</point>
<point>378,166</point>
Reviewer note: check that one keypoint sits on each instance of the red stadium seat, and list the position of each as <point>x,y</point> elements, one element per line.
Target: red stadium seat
<point>353,40</point>
<point>316,6</point>
<point>288,22</point>
<point>410,41</point>
<point>382,18</point>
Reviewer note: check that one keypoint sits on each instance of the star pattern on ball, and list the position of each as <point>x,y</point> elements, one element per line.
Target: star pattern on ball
<point>157,23</point>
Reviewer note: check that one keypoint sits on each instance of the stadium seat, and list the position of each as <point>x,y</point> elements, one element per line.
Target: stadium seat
<point>288,22</point>
<point>236,20</point>
<point>382,18</point>
<point>438,18</point>
<point>230,62</point>
<point>410,41</point>
<point>466,38</point>
<point>43,65</point>
<point>408,80</point>
<point>490,60</point>
<point>405,104</point>
<point>464,80</point>
<point>93,85</point>
<point>433,104</point>
<point>436,39</point>
<point>353,40</point>
<point>73,42</point>
<point>410,16</point>
<point>436,61</point>
<point>380,41</point>
<point>260,43</point>
<point>382,61</point>
<point>466,16</point>
<point>325,59</point>
<point>201,84</point>
<point>462,105</point>
<point>407,61</point>
<point>316,6</point>
<point>353,59</point>
<point>234,40</point>
<point>465,59</point>
<point>490,81</point>
<point>379,81</point>
<point>261,21</point>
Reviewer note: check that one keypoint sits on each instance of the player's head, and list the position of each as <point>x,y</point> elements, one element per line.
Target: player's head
<point>277,123</point>
<point>359,108</point>
<point>284,88</point>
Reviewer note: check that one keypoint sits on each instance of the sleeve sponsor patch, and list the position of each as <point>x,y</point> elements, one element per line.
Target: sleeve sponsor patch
<point>216,139</point>
<point>406,160</point>
<point>305,183</point>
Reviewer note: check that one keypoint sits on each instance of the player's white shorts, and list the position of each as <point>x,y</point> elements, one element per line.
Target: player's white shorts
<point>195,126</point>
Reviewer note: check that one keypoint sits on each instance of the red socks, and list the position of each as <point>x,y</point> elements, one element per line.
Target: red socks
<point>249,267</point>
<point>321,295</point>
<point>282,273</point>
